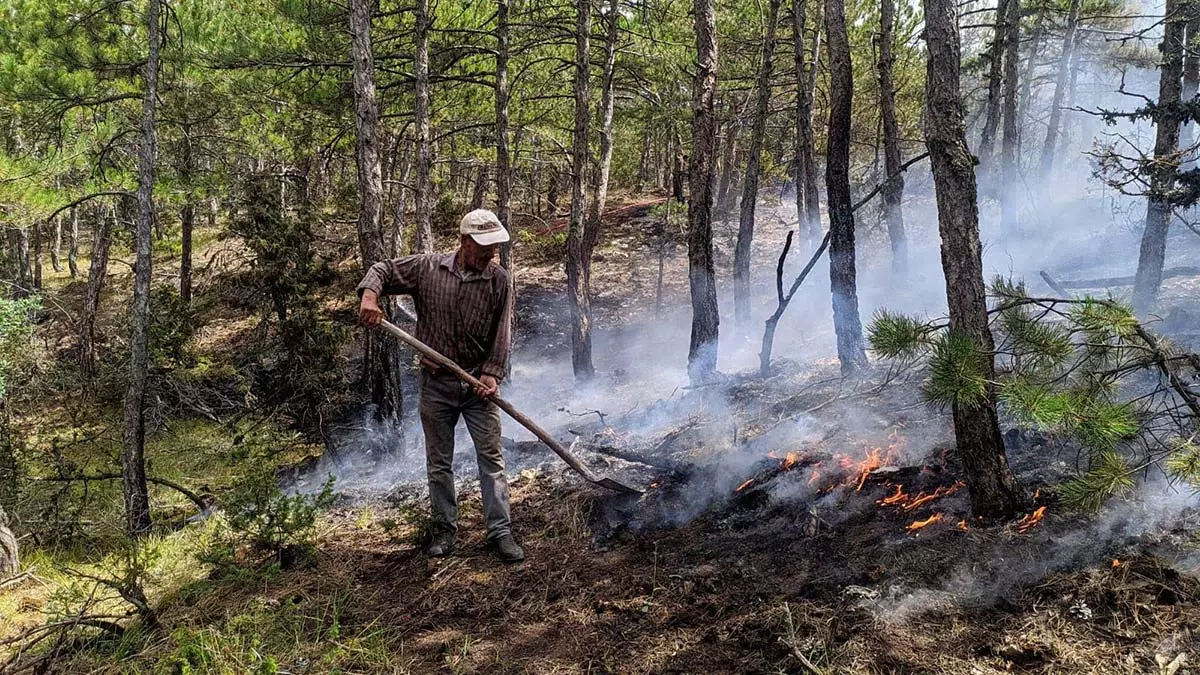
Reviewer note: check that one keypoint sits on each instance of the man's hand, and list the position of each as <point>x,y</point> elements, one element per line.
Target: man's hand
<point>489,388</point>
<point>368,310</point>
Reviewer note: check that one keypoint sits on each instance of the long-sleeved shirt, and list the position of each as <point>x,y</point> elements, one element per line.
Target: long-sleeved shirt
<point>465,315</point>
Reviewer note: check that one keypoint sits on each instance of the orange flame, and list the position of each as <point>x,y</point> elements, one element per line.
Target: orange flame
<point>918,524</point>
<point>897,498</point>
<point>816,475</point>
<point>1116,562</point>
<point>962,525</point>
<point>790,460</point>
<point>907,503</point>
<point>1030,521</point>
<point>745,485</point>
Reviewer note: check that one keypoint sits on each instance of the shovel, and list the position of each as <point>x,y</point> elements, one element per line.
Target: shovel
<point>542,434</point>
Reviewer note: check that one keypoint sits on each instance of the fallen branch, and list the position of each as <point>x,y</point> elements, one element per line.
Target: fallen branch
<point>200,503</point>
<point>1106,282</point>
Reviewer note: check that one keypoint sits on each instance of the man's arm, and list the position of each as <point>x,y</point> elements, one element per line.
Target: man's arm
<point>386,277</point>
<point>496,364</point>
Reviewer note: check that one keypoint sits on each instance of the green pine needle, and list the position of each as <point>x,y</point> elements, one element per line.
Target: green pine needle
<point>894,335</point>
<point>1184,461</point>
<point>1108,477</point>
<point>958,372</point>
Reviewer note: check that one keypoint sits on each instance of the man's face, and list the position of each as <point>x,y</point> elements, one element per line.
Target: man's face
<point>474,256</point>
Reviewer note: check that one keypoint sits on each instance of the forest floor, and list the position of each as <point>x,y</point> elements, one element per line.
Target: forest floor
<point>799,523</point>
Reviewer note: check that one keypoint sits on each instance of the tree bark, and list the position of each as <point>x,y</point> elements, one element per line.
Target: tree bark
<point>1024,100</point>
<point>56,245</point>
<point>10,563</point>
<point>987,139</point>
<point>600,176</point>
<point>893,191</point>
<point>504,170</point>
<point>36,258</point>
<point>726,197</point>
<point>73,244</point>
<point>702,350</point>
<point>842,273</point>
<point>97,276</point>
<point>19,268</point>
<point>808,208</point>
<point>133,461</point>
<point>424,196</point>
<point>994,491</point>
<point>1191,83</point>
<point>1060,90</point>
<point>1166,163</point>
<point>745,236</point>
<point>381,356</point>
<point>581,314</point>
<point>1011,142</point>
<point>187,224</point>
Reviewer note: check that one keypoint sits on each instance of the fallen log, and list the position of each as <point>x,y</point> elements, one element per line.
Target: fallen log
<point>1059,286</point>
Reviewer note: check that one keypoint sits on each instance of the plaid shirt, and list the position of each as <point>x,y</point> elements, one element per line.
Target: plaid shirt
<point>465,315</point>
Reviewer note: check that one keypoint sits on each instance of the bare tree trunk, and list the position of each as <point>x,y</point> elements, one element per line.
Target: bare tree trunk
<point>808,205</point>
<point>1163,170</point>
<point>73,244</point>
<point>133,460</point>
<point>980,448</point>
<point>745,237</point>
<point>552,190</point>
<point>400,206</point>
<point>1191,84</point>
<point>504,169</point>
<point>726,197</point>
<point>424,196</point>
<point>37,254</point>
<point>987,139</point>
<point>1024,101</point>
<point>893,190</point>
<point>97,276</point>
<point>643,175</point>
<point>381,357</point>
<point>842,272</point>
<point>479,191</point>
<point>702,350</point>
<point>1011,142</point>
<point>812,191</point>
<point>187,222</point>
<point>603,170</point>
<point>18,262</point>
<point>10,563</point>
<point>1060,90</point>
<point>56,245</point>
<point>678,166</point>
<point>581,314</point>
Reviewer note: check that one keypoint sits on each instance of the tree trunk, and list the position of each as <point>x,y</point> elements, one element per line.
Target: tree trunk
<point>18,262</point>
<point>745,236</point>
<point>842,273</point>
<point>808,205</point>
<point>1060,90</point>
<point>603,170</point>
<point>56,245</point>
<point>1165,165</point>
<point>643,174</point>
<point>893,189</point>
<point>726,197</point>
<point>980,448</point>
<point>187,223</point>
<point>37,254</point>
<point>678,167</point>
<point>504,170</point>
<point>424,196</point>
<point>702,350</point>
<point>1010,143</point>
<point>552,191</point>
<point>97,276</point>
<point>381,357</point>
<point>479,191</point>
<point>581,314</point>
<point>1024,101</point>
<point>73,244</point>
<point>987,139</point>
<point>1191,84</point>
<point>133,461</point>
<point>10,563</point>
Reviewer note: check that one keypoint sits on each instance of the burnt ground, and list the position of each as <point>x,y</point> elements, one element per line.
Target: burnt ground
<point>803,569</point>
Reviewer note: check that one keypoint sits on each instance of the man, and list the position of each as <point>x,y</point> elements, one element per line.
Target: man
<point>464,311</point>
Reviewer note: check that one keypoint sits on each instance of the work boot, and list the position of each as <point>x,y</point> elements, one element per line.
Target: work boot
<point>506,549</point>
<point>442,545</point>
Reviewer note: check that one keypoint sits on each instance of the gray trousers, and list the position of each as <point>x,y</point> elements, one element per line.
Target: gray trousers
<point>443,398</point>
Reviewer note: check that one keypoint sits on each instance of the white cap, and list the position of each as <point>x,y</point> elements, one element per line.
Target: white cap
<point>484,227</point>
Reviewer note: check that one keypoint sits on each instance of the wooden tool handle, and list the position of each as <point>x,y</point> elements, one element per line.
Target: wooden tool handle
<point>543,436</point>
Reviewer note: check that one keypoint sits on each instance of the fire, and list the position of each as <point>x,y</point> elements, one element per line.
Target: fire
<point>654,485</point>
<point>1116,562</point>
<point>918,524</point>
<point>962,525</point>
<point>816,475</point>
<point>1030,521</point>
<point>745,485</point>
<point>863,469</point>
<point>907,503</point>
<point>790,460</point>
